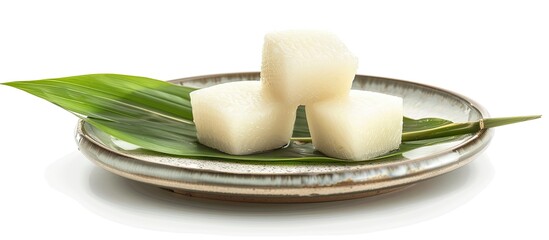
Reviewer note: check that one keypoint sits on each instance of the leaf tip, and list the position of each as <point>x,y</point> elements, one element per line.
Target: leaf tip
<point>11,84</point>
<point>531,117</point>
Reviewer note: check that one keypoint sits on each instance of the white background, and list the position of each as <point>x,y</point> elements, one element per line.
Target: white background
<point>495,52</point>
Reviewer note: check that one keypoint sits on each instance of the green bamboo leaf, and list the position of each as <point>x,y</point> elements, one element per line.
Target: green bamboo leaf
<point>411,125</point>
<point>301,128</point>
<point>452,129</point>
<point>157,116</point>
<point>133,95</point>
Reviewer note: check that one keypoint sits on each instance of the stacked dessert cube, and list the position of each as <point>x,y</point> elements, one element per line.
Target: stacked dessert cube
<point>310,68</point>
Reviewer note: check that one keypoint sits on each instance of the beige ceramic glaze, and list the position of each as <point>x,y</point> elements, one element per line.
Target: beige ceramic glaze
<point>275,182</point>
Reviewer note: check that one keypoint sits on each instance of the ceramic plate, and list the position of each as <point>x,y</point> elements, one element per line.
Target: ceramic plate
<point>286,182</point>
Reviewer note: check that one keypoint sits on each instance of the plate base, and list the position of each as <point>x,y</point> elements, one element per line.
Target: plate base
<point>285,199</point>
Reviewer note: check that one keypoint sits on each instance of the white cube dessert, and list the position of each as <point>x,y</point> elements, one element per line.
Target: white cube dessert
<point>237,118</point>
<point>302,67</point>
<point>360,126</point>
